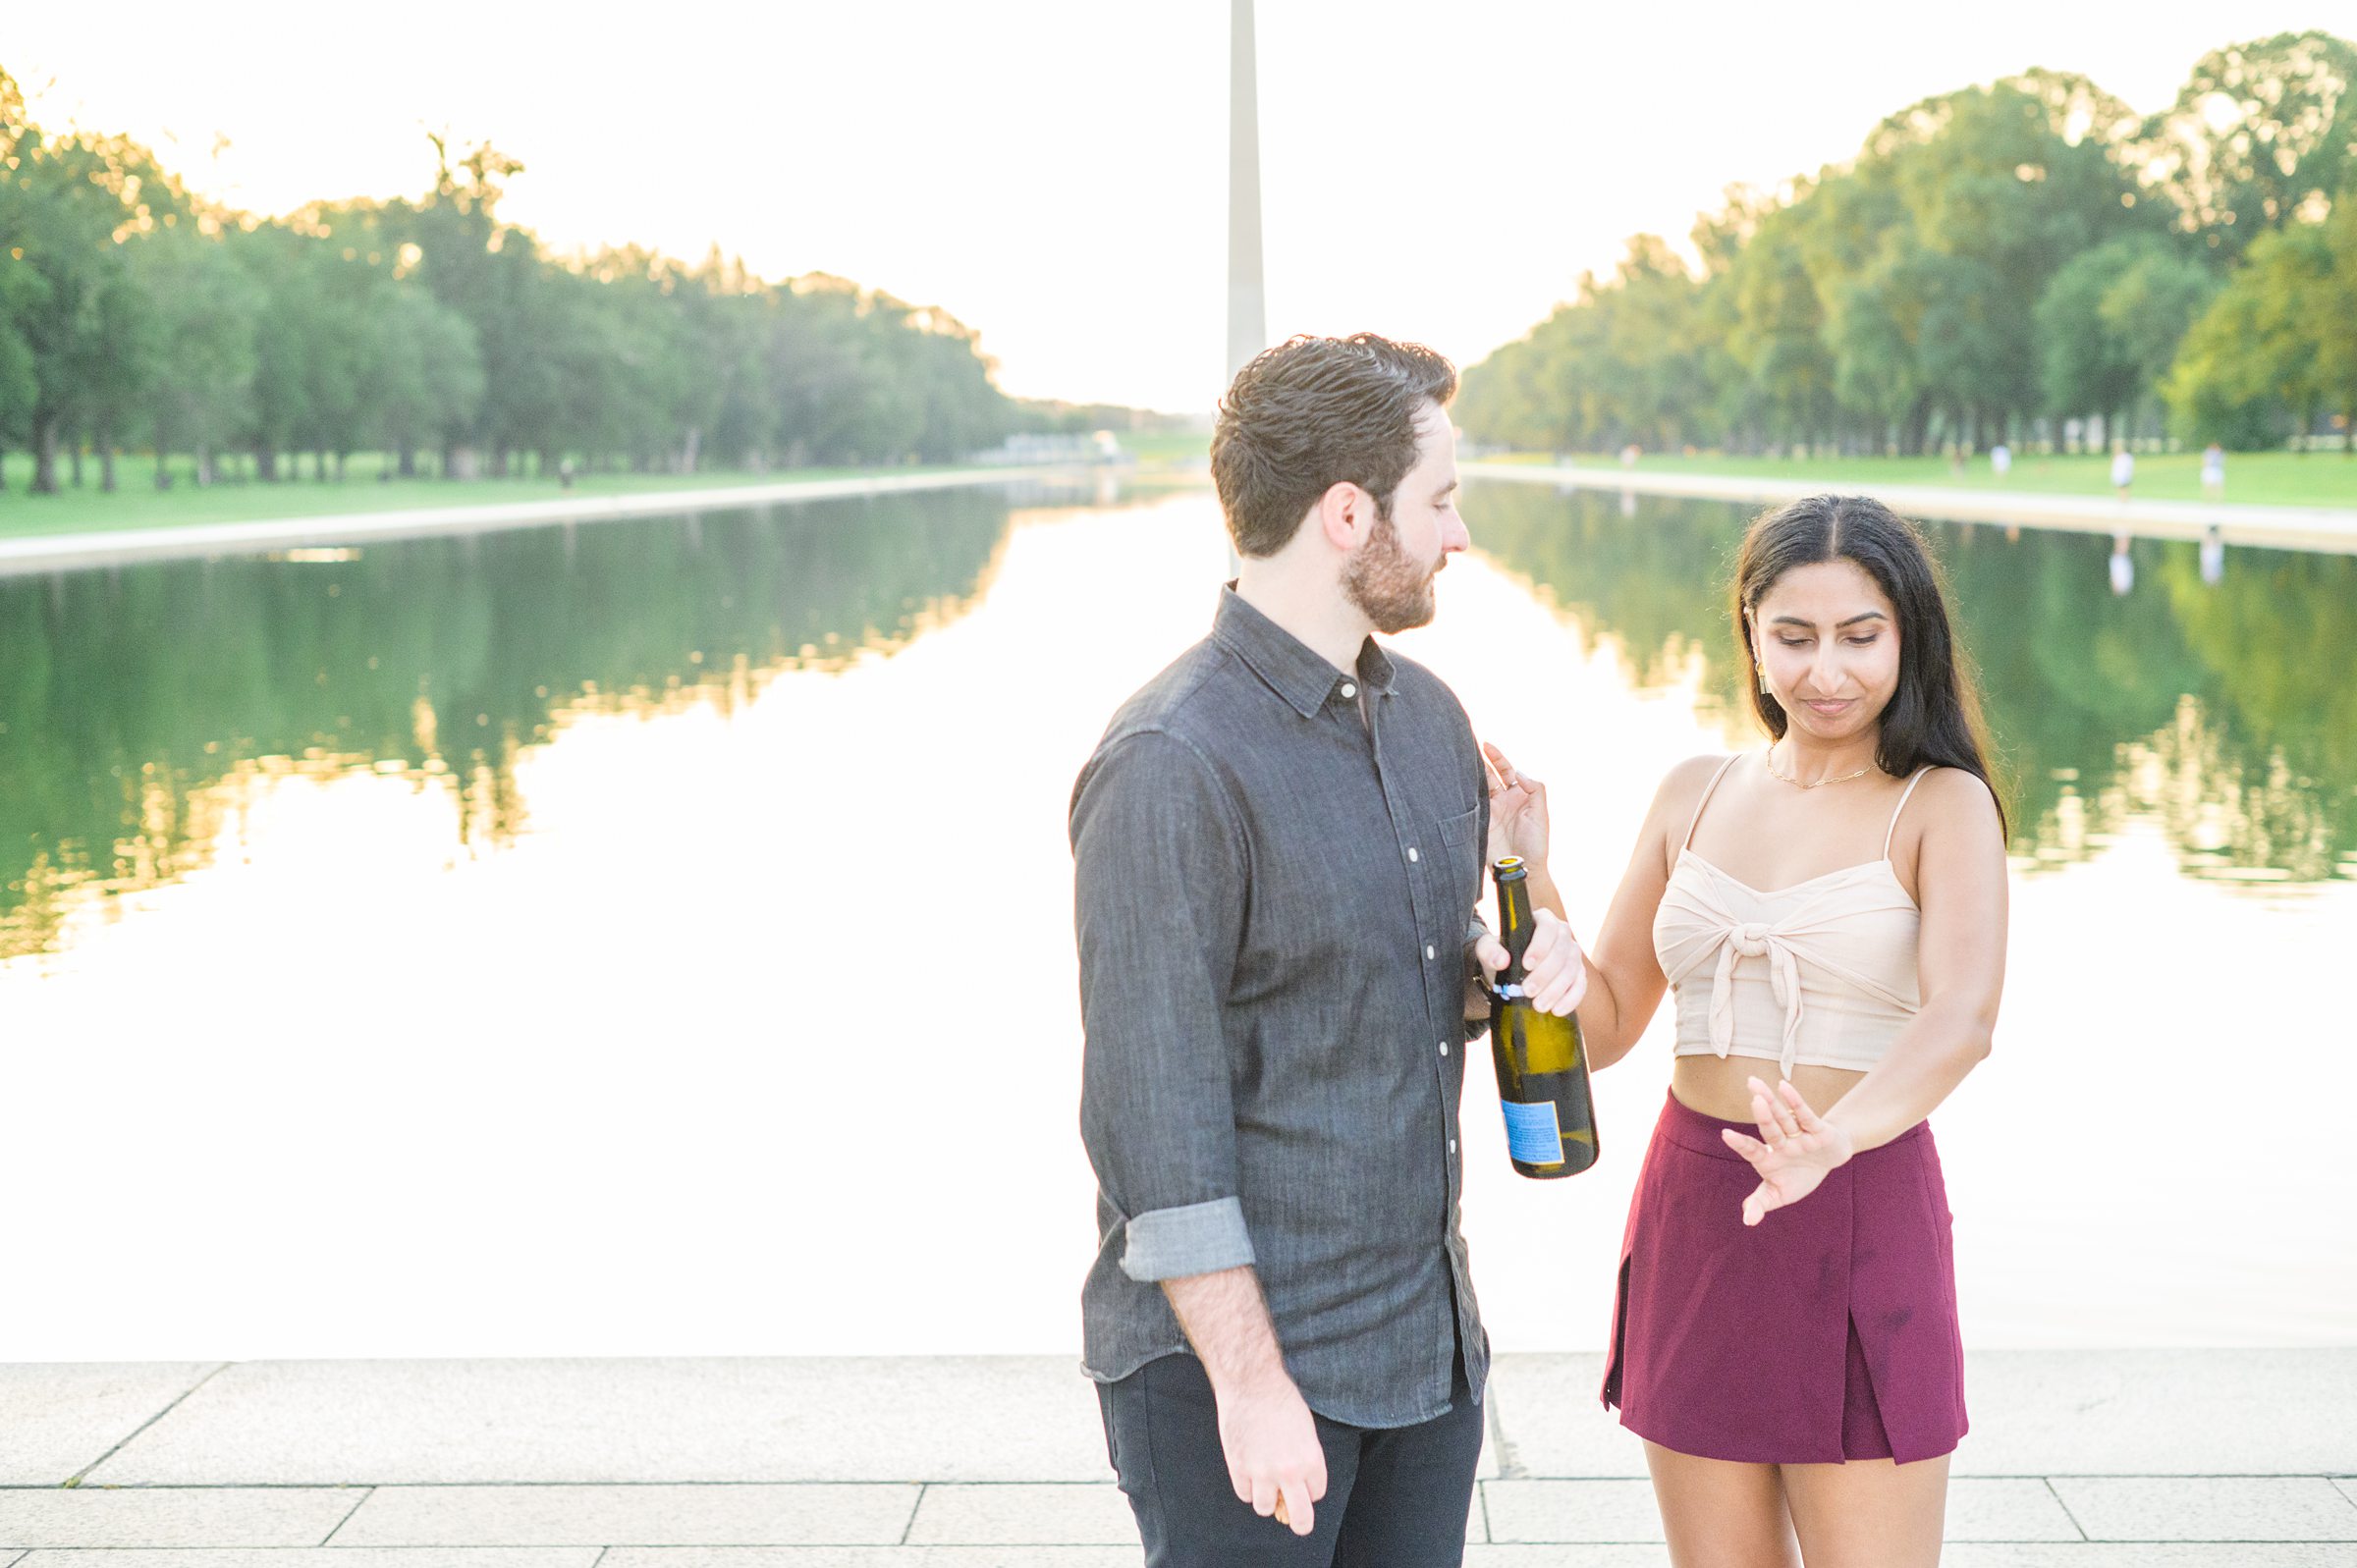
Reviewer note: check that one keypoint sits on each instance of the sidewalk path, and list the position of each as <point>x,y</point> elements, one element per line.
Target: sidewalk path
<point>2273,527</point>
<point>66,551</point>
<point>2185,1459</point>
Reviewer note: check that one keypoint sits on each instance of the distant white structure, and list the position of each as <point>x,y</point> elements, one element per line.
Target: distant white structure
<point>1037,447</point>
<point>1248,307</point>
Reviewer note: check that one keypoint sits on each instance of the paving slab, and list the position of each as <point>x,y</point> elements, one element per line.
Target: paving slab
<point>323,1558</point>
<point>1625,1511</point>
<point>59,1418</point>
<point>2208,1507</point>
<point>2161,1412</point>
<point>1533,1556</point>
<point>2146,1554</point>
<point>1546,1421</point>
<point>845,1419</point>
<point>1571,1511</point>
<point>99,1516</point>
<point>2083,1555</point>
<point>1083,1514</point>
<point>2006,1508</point>
<point>2034,1413</point>
<point>757,1515</point>
<point>867,1557</point>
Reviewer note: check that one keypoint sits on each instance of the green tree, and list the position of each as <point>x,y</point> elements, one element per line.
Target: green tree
<point>2111,323</point>
<point>203,307</point>
<point>2281,336</point>
<point>2262,134</point>
<point>75,200</point>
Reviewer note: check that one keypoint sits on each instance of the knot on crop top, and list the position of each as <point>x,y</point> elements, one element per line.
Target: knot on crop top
<point>1838,952</point>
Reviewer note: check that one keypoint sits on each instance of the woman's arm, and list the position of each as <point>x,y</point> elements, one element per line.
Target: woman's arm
<point>1625,979</point>
<point>1960,884</point>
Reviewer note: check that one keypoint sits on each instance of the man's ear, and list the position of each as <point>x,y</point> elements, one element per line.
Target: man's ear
<point>1343,511</point>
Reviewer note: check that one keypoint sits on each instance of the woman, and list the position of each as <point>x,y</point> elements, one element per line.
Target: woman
<point>1831,912</point>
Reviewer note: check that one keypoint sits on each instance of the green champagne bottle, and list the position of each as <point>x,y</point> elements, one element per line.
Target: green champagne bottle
<point>1542,1062</point>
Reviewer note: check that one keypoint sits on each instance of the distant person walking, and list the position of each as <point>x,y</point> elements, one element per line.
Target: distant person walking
<point>2001,459</point>
<point>2214,472</point>
<point>1279,846</point>
<point>2124,468</point>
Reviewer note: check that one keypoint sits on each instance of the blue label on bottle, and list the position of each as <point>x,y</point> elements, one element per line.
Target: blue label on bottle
<point>1533,1135</point>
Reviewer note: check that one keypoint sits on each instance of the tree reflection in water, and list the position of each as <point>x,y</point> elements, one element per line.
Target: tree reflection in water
<point>2213,698</point>
<point>139,707</point>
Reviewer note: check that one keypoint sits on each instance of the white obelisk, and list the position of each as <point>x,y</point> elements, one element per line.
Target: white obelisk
<point>1247,314</point>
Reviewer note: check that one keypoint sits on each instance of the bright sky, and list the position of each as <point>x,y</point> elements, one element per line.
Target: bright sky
<point>1053,172</point>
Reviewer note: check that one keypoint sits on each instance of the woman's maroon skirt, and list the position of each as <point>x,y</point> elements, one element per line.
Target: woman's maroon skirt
<point>1826,1332</point>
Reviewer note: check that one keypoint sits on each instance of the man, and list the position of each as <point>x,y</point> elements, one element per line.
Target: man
<point>1279,848</point>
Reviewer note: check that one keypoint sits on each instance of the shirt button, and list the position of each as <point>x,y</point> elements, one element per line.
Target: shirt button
<point>1411,853</point>
<point>1431,952</point>
<point>1444,1047</point>
<point>1349,690</point>
<point>1452,1146</point>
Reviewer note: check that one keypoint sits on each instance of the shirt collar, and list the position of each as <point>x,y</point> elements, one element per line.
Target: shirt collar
<point>1287,664</point>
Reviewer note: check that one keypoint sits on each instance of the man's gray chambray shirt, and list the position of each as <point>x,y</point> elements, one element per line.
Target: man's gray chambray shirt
<point>1274,901</point>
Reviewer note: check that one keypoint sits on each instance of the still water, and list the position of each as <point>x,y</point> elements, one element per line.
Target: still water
<point>654,938</point>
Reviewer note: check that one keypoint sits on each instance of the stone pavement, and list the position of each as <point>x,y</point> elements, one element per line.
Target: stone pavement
<point>2115,1459</point>
<point>2273,527</point>
<point>67,552</point>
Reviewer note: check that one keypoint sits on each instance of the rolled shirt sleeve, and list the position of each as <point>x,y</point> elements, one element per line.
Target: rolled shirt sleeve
<point>1160,888</point>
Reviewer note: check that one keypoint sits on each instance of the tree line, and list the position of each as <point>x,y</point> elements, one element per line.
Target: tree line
<point>136,314</point>
<point>2010,262</point>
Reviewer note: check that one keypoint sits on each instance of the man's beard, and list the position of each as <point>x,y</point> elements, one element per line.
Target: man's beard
<point>1389,588</point>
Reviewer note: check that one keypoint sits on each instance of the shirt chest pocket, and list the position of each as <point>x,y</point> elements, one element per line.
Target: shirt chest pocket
<point>1459,868</point>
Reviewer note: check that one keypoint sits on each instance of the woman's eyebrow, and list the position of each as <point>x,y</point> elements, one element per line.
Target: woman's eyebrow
<point>1795,620</point>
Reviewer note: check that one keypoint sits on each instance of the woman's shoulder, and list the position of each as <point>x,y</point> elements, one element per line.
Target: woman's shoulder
<point>1944,789</point>
<point>1957,801</point>
<point>1683,787</point>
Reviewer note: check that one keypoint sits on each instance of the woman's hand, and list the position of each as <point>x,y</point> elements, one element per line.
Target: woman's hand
<point>1795,1151</point>
<point>1554,971</point>
<point>1518,810</point>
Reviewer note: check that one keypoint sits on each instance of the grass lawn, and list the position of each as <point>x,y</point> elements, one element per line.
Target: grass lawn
<point>2270,478</point>
<point>235,499</point>
<point>1167,449</point>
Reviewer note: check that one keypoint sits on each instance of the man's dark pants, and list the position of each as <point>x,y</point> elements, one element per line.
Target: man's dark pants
<point>1396,1497</point>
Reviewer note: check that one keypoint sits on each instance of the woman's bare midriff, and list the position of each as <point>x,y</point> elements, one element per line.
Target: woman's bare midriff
<point>1716,1088</point>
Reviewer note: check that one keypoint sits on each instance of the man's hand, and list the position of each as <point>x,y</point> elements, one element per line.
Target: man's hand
<point>1267,1433</point>
<point>1554,972</point>
<point>1275,1461</point>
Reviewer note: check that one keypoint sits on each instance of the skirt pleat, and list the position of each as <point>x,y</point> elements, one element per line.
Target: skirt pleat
<point>1824,1334</point>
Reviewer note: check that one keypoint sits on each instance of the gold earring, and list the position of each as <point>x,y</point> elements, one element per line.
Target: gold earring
<point>1761,665</point>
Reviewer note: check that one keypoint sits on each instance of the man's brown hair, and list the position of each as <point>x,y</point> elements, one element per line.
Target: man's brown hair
<point>1315,412</point>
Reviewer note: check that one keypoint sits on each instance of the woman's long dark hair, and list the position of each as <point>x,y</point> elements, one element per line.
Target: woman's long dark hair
<point>1934,715</point>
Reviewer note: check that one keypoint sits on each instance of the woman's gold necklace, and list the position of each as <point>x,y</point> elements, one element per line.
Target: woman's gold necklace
<point>1820,783</point>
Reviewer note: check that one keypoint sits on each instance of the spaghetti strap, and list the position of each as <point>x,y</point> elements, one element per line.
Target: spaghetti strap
<point>1902,805</point>
<point>1709,791</point>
